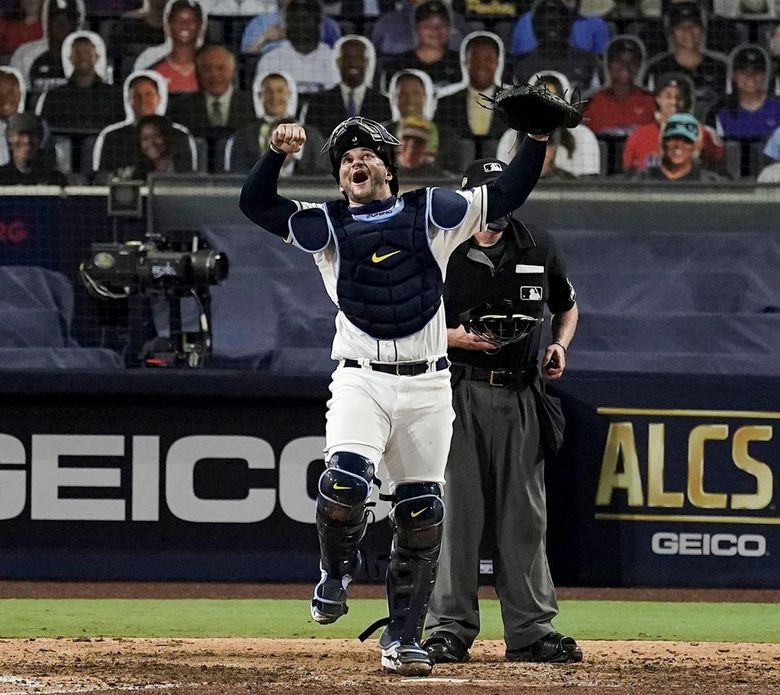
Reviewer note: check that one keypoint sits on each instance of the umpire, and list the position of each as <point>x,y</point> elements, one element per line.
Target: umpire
<point>504,425</point>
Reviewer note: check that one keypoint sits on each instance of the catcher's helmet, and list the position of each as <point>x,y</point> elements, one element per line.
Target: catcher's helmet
<point>363,132</point>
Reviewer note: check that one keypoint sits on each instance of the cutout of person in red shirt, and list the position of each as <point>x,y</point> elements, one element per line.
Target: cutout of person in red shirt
<point>622,104</point>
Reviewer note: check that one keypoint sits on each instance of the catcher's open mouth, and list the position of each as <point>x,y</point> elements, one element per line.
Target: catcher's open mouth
<point>360,177</point>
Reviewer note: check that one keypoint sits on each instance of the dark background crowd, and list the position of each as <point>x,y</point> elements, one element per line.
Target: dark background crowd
<point>672,90</point>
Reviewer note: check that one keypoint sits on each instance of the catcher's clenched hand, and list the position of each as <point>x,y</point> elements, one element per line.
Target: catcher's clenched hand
<point>534,109</point>
<point>288,138</point>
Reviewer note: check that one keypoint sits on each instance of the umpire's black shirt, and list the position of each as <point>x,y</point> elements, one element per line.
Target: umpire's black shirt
<point>527,267</point>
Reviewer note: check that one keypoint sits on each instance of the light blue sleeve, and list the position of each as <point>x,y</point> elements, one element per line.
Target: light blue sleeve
<point>523,39</point>
<point>590,34</point>
<point>772,148</point>
<point>256,28</point>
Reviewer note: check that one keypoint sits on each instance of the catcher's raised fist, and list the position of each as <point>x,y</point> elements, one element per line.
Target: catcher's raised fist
<point>288,138</point>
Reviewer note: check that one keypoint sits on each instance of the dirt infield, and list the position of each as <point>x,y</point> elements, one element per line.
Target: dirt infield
<point>347,667</point>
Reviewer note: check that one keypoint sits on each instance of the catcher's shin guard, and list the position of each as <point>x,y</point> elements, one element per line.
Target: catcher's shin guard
<point>344,489</point>
<point>417,519</point>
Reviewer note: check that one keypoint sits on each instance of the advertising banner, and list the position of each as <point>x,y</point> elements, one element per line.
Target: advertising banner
<point>661,482</point>
<point>148,486</point>
<point>674,481</point>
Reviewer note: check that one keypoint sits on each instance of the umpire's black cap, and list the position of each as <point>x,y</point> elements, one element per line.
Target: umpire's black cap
<point>482,171</point>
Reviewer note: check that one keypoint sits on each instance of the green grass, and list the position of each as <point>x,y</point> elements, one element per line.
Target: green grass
<point>619,620</point>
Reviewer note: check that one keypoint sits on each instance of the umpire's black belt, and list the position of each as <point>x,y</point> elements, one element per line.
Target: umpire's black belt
<point>403,368</point>
<point>497,377</point>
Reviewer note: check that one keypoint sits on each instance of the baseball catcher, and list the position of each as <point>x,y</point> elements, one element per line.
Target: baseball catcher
<point>381,256</point>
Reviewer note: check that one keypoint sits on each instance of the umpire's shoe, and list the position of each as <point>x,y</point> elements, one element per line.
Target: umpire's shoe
<point>553,648</point>
<point>407,659</point>
<point>330,597</point>
<point>445,648</point>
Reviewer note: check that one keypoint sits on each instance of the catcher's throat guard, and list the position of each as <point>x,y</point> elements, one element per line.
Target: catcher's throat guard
<point>498,324</point>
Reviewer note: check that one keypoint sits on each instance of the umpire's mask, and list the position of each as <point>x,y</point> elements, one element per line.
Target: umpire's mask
<point>363,132</point>
<point>484,171</point>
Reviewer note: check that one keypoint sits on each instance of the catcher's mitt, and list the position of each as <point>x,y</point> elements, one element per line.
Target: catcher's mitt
<point>498,323</point>
<point>534,109</point>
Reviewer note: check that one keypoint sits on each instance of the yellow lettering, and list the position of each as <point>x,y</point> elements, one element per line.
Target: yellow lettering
<point>696,440</point>
<point>656,449</point>
<point>620,445</point>
<point>758,469</point>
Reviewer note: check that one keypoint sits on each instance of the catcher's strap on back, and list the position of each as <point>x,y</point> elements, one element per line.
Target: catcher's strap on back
<point>535,109</point>
<point>498,323</point>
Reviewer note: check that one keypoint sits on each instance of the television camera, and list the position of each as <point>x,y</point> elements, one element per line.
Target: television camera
<point>169,270</point>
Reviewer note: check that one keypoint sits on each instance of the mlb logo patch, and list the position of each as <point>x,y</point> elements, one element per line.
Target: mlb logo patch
<point>531,293</point>
<point>492,166</point>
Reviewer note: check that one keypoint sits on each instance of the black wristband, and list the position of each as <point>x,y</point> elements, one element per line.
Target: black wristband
<point>555,342</point>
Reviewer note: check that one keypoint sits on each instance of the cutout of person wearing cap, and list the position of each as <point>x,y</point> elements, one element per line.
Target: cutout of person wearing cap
<point>674,93</point>
<point>393,32</point>
<point>415,158</point>
<point>40,62</point>
<point>87,101</point>
<point>552,21</point>
<point>27,165</point>
<point>685,24</point>
<point>622,104</point>
<point>431,53</point>
<point>679,149</point>
<point>353,96</point>
<point>303,55</point>
<point>748,111</point>
<point>482,60</point>
<point>412,95</point>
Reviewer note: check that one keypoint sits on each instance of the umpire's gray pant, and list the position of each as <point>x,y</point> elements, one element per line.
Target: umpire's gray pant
<point>495,455</point>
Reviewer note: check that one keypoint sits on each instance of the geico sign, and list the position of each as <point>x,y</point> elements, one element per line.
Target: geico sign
<point>140,500</point>
<point>720,544</point>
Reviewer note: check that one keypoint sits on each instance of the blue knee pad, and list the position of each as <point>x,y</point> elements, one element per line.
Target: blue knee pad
<point>344,488</point>
<point>418,515</point>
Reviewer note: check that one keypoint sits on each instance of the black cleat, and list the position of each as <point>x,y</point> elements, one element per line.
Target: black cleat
<point>553,648</point>
<point>445,648</point>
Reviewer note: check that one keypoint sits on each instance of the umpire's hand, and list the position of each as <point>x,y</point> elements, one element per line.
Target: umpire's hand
<point>554,362</point>
<point>288,138</point>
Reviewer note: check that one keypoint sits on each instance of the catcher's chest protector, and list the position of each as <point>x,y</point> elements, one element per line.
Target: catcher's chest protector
<point>389,284</point>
